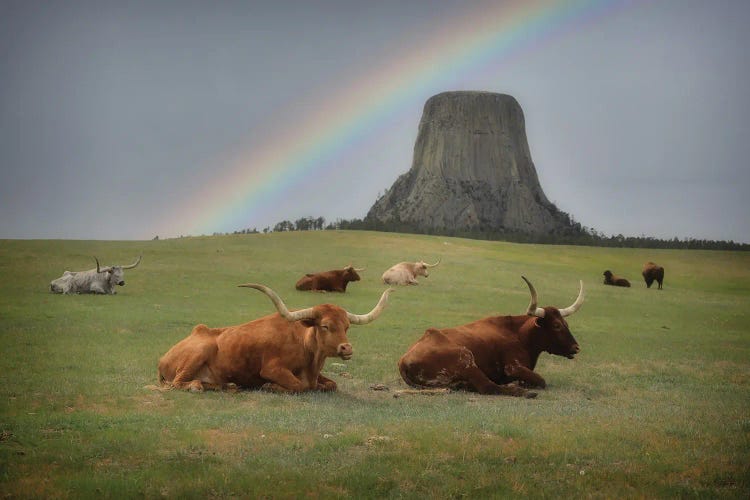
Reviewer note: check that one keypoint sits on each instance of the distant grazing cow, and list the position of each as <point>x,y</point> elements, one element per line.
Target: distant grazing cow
<point>486,355</point>
<point>405,273</point>
<point>329,281</point>
<point>611,279</point>
<point>653,272</point>
<point>100,280</point>
<point>282,352</point>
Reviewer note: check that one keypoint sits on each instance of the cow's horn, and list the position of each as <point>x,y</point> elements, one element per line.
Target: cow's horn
<point>435,264</point>
<point>359,269</point>
<point>280,306</point>
<point>363,319</point>
<point>100,269</point>
<point>533,310</point>
<point>576,305</point>
<point>131,266</point>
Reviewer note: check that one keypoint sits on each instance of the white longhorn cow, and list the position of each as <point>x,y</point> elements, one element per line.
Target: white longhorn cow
<point>405,273</point>
<point>101,280</point>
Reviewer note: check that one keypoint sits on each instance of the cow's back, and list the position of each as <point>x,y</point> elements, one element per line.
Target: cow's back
<point>83,280</point>
<point>316,281</point>
<point>485,337</point>
<point>241,349</point>
<point>397,275</point>
<point>437,358</point>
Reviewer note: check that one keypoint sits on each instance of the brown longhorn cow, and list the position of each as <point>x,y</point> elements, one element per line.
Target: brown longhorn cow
<point>329,281</point>
<point>487,355</point>
<point>614,280</point>
<point>282,352</point>
<point>653,272</point>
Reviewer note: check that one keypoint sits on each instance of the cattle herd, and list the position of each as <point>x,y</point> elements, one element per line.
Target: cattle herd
<point>651,272</point>
<point>286,351</point>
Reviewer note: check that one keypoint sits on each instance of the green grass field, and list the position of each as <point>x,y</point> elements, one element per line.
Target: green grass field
<point>657,404</point>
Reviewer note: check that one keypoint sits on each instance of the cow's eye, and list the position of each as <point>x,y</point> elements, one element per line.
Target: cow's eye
<point>557,326</point>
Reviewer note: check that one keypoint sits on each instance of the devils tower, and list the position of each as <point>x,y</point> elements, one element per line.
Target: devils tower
<point>472,171</point>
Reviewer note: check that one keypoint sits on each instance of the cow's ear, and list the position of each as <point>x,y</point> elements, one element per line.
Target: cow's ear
<point>309,323</point>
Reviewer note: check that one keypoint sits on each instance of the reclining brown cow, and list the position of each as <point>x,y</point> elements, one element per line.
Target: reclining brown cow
<point>329,281</point>
<point>488,354</point>
<point>614,280</point>
<point>282,352</point>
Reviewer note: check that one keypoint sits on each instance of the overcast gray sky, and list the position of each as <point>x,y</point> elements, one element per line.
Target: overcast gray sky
<point>115,115</point>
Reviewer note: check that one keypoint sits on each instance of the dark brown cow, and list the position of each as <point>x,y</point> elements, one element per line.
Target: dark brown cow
<point>282,352</point>
<point>653,272</point>
<point>614,280</point>
<point>329,281</point>
<point>486,355</point>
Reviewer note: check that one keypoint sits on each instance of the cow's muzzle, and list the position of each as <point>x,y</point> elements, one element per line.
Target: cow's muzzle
<point>345,351</point>
<point>121,283</point>
<point>575,349</point>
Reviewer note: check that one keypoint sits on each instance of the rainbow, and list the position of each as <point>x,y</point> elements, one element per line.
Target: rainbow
<point>488,35</point>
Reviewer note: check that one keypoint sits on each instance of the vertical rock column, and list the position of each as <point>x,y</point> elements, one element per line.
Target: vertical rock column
<point>471,170</point>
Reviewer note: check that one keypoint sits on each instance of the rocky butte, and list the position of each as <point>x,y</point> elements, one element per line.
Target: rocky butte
<point>472,171</point>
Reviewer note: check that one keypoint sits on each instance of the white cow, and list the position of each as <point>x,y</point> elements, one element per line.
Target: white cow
<point>100,280</point>
<point>405,273</point>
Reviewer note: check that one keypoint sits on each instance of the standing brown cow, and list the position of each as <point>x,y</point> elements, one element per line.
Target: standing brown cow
<point>329,281</point>
<point>614,280</point>
<point>486,355</point>
<point>282,352</point>
<point>653,272</point>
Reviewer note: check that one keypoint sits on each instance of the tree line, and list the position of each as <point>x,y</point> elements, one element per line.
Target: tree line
<point>574,234</point>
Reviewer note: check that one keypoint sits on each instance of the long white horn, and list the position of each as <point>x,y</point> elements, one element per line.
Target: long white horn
<point>131,266</point>
<point>359,269</point>
<point>280,306</point>
<point>363,319</point>
<point>576,305</point>
<point>533,310</point>
<point>435,264</point>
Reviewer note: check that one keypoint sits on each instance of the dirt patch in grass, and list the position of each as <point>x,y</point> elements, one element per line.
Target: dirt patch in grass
<point>721,473</point>
<point>105,407</point>
<point>108,407</point>
<point>226,443</point>
<point>153,401</point>
<point>734,373</point>
<point>378,440</point>
<point>32,481</point>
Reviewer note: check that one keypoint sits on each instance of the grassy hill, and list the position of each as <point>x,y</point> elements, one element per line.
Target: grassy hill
<point>656,404</point>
